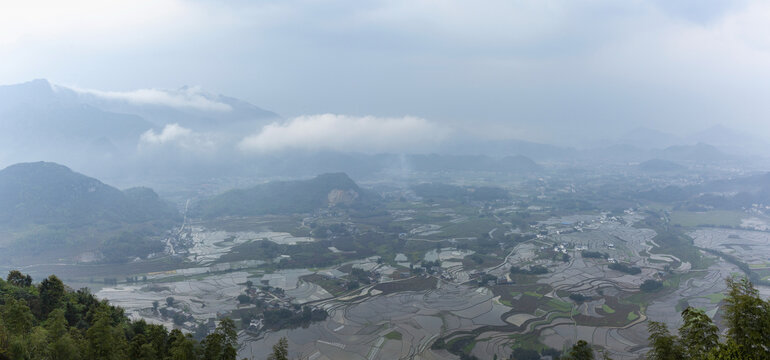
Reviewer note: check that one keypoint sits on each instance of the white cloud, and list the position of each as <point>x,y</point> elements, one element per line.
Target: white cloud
<point>190,97</point>
<point>568,68</point>
<point>176,135</point>
<point>347,133</point>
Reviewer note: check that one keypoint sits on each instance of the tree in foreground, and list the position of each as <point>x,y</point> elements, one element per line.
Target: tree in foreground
<point>48,321</point>
<point>581,351</point>
<point>746,314</point>
<point>280,350</point>
<point>699,336</point>
<point>664,345</point>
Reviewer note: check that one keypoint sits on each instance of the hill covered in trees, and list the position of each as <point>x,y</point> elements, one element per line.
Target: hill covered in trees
<point>746,315</point>
<point>288,197</point>
<point>46,208</point>
<point>50,321</point>
<point>49,193</point>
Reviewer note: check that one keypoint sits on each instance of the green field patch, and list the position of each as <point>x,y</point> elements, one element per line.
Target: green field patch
<point>417,283</point>
<point>559,305</point>
<point>525,298</point>
<point>480,261</point>
<point>474,227</point>
<point>335,287</point>
<point>533,294</point>
<point>615,312</point>
<point>529,341</point>
<point>394,335</point>
<point>716,297</point>
<point>632,316</point>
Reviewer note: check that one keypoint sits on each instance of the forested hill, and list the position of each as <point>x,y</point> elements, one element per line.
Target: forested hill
<point>48,321</point>
<point>49,212</point>
<point>49,193</point>
<point>287,197</point>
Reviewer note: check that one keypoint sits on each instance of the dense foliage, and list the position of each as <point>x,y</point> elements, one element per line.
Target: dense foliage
<point>579,298</point>
<point>628,269</point>
<point>48,321</point>
<point>533,270</point>
<point>49,193</point>
<point>747,317</point>
<point>285,318</point>
<point>594,254</point>
<point>49,209</point>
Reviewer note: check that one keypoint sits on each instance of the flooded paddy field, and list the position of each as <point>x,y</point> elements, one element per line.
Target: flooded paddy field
<point>203,297</point>
<point>614,317</point>
<point>752,247</point>
<point>360,329</point>
<point>392,318</point>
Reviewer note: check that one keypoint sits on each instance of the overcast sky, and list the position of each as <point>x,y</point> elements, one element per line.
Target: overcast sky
<point>540,70</point>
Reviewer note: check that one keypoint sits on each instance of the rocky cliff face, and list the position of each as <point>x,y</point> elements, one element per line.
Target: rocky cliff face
<point>345,197</point>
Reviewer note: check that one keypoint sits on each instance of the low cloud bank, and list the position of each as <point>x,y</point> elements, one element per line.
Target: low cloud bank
<point>347,133</point>
<point>176,135</point>
<point>188,97</point>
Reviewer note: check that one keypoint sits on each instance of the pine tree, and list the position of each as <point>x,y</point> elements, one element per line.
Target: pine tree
<point>280,350</point>
<point>16,278</point>
<point>748,317</point>
<point>664,345</point>
<point>103,340</point>
<point>182,346</point>
<point>17,317</point>
<point>51,294</point>
<point>698,334</point>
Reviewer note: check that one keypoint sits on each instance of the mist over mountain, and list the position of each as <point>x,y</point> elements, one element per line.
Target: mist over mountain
<point>699,153</point>
<point>649,139</point>
<point>147,136</point>
<point>189,107</point>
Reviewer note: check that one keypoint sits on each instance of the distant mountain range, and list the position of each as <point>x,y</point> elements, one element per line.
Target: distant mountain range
<point>719,136</point>
<point>187,106</point>
<point>95,129</point>
<point>190,133</point>
<point>731,194</point>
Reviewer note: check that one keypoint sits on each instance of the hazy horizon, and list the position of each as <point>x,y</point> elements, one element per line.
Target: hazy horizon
<point>558,72</point>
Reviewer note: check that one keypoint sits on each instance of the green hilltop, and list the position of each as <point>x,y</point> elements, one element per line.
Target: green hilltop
<point>289,197</point>
<point>48,209</point>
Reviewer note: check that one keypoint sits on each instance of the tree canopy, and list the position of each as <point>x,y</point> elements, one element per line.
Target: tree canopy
<point>47,321</point>
<point>747,317</point>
